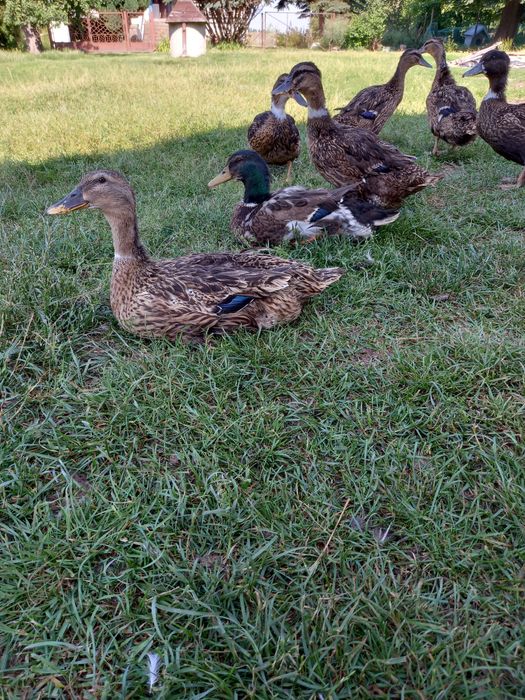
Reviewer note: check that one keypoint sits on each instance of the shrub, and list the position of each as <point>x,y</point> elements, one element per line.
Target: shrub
<point>507,45</point>
<point>293,39</point>
<point>163,46</point>
<point>229,46</point>
<point>367,29</point>
<point>395,36</point>
<point>334,34</point>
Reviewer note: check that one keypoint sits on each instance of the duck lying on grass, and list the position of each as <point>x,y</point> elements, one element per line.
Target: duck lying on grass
<point>195,294</point>
<point>451,108</point>
<point>273,134</point>
<point>346,155</point>
<point>500,124</point>
<point>373,106</point>
<point>295,212</point>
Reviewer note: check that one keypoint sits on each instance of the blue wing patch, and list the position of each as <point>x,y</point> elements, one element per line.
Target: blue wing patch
<point>234,303</point>
<point>319,213</point>
<point>381,168</point>
<point>369,114</point>
<point>445,111</point>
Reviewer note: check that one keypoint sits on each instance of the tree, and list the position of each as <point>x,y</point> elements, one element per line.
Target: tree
<point>30,15</point>
<point>228,20</point>
<point>510,19</point>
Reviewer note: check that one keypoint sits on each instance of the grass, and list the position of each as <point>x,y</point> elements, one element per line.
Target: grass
<point>333,509</point>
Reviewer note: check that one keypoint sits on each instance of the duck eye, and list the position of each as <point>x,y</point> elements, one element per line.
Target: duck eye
<point>102,180</point>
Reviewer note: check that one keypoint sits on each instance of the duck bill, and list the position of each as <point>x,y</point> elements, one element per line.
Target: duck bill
<point>222,177</point>
<point>72,201</point>
<point>424,63</point>
<point>284,87</point>
<point>475,70</point>
<point>299,99</point>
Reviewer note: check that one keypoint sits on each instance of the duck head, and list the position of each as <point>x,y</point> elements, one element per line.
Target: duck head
<point>249,168</point>
<point>279,99</point>
<point>304,81</point>
<point>494,64</point>
<point>106,190</point>
<point>413,57</point>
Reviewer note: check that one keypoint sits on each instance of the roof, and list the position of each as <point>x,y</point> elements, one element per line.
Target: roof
<point>476,29</point>
<point>185,11</point>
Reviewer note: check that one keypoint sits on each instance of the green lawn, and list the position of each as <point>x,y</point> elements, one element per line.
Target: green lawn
<point>226,506</point>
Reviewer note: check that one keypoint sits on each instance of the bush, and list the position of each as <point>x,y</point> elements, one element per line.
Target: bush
<point>163,46</point>
<point>395,36</point>
<point>228,46</point>
<point>293,39</point>
<point>367,29</point>
<point>334,34</point>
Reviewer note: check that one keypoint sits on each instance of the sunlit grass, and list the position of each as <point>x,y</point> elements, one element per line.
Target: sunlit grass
<point>177,500</point>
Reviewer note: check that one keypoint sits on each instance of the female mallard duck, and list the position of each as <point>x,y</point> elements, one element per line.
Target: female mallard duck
<point>372,107</point>
<point>273,134</point>
<point>346,155</point>
<point>451,108</point>
<point>201,293</point>
<point>295,212</point>
<point>500,124</point>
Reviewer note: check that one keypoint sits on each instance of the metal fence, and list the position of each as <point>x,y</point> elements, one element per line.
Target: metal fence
<point>111,32</point>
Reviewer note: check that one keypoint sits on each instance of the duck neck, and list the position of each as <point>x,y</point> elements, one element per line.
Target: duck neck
<point>316,103</point>
<point>278,107</point>
<point>256,185</point>
<point>443,73</point>
<point>497,89</point>
<point>398,79</point>
<point>126,241</point>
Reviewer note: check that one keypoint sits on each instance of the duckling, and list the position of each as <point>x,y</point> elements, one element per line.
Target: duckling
<point>500,124</point>
<point>373,106</point>
<point>295,212</point>
<point>195,294</point>
<point>451,108</point>
<point>273,134</point>
<point>346,155</point>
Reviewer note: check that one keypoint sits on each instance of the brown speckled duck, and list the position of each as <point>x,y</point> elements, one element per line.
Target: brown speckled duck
<point>295,213</point>
<point>451,108</point>
<point>273,134</point>
<point>500,124</point>
<point>346,155</point>
<point>195,294</point>
<point>373,106</point>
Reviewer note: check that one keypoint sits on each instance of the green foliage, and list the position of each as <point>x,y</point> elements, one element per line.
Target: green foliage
<point>163,46</point>
<point>367,28</point>
<point>507,45</point>
<point>229,46</point>
<point>39,13</point>
<point>334,34</point>
<point>293,39</point>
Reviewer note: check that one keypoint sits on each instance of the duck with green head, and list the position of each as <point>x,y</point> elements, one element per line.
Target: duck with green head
<point>295,213</point>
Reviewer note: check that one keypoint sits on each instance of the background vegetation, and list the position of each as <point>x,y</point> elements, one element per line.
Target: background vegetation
<point>333,509</point>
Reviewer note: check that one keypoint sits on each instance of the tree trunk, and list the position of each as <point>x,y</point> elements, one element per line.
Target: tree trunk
<point>509,20</point>
<point>32,38</point>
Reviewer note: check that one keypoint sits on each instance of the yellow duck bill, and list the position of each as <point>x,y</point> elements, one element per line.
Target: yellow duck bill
<point>221,177</point>
<point>72,201</point>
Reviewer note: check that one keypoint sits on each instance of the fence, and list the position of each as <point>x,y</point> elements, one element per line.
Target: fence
<point>112,32</point>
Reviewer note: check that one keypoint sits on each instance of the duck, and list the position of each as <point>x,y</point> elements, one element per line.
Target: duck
<point>373,106</point>
<point>295,213</point>
<point>274,135</point>
<point>346,155</point>
<point>197,294</point>
<point>500,123</point>
<point>451,108</point>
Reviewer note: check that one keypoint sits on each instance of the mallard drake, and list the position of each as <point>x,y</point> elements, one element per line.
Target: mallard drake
<point>346,155</point>
<point>295,212</point>
<point>500,124</point>
<point>451,108</point>
<point>195,294</point>
<point>273,134</point>
<point>373,106</point>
